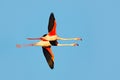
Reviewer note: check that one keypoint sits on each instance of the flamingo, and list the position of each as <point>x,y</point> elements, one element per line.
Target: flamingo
<point>48,40</point>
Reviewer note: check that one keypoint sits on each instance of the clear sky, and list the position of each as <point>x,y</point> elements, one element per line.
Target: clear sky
<point>96,21</point>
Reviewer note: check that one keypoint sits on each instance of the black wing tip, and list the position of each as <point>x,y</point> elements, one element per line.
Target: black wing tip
<point>51,22</point>
<point>51,65</point>
<point>52,15</point>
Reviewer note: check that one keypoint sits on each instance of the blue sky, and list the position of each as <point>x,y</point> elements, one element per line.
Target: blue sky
<point>96,21</point>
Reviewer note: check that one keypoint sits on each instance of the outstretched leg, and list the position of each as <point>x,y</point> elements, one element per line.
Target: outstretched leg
<point>23,45</point>
<point>33,38</point>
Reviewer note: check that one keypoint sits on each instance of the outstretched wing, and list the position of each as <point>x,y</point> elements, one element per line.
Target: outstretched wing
<point>49,56</point>
<point>52,25</point>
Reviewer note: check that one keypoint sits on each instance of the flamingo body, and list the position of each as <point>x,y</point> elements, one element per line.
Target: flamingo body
<point>48,40</point>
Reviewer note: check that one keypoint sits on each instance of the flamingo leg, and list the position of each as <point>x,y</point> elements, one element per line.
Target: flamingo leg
<point>23,45</point>
<point>33,38</point>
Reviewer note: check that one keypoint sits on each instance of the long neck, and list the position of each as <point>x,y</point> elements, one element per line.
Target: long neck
<point>74,44</point>
<point>59,38</point>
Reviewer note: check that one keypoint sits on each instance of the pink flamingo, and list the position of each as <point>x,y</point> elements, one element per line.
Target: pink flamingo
<point>48,40</point>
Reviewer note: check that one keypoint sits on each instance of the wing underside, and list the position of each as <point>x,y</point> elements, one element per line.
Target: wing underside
<point>49,56</point>
<point>52,25</point>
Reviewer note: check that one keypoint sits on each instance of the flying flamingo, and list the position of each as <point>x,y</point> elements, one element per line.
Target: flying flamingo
<point>48,40</point>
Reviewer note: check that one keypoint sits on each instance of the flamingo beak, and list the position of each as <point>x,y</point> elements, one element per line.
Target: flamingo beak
<point>81,39</point>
